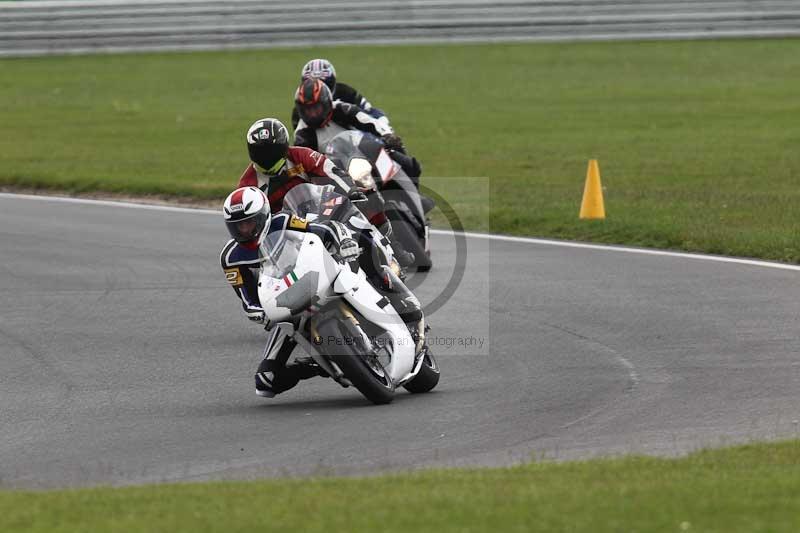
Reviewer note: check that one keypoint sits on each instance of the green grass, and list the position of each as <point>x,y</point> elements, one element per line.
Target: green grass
<point>697,141</point>
<point>749,489</point>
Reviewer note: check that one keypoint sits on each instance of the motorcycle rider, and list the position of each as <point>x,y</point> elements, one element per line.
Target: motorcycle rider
<point>322,118</point>
<point>249,221</point>
<point>275,168</point>
<point>323,70</point>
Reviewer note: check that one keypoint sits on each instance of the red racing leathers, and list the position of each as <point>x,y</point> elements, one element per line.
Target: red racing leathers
<point>307,165</point>
<point>302,165</point>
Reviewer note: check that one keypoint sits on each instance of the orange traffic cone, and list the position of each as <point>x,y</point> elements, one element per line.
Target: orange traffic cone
<point>592,205</point>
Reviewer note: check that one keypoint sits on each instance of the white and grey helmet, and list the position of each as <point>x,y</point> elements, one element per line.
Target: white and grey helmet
<point>321,69</point>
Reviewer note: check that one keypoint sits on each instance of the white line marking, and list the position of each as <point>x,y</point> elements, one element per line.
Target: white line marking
<point>108,203</point>
<point>624,249</point>
<point>472,235</point>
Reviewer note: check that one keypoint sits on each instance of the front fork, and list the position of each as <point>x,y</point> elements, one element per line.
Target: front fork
<point>330,366</point>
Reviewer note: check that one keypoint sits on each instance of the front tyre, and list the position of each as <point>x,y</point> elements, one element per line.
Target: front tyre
<point>428,376</point>
<point>345,346</point>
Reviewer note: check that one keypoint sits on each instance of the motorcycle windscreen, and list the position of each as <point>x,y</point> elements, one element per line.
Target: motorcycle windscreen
<point>306,199</point>
<point>343,147</point>
<point>314,202</point>
<point>279,253</point>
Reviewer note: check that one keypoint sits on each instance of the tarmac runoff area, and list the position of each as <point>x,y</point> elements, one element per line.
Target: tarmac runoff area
<point>125,357</point>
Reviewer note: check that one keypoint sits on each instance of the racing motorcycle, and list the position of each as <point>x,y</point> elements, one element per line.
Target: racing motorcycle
<point>366,160</point>
<point>329,307</point>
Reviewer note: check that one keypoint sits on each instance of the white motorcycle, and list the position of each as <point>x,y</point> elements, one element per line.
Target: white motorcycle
<point>330,309</point>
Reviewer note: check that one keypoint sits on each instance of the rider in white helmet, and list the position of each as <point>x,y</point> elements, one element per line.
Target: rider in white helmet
<point>248,219</point>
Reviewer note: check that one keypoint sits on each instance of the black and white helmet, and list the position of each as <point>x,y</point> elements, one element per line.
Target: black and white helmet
<point>268,144</point>
<point>247,214</point>
<point>321,69</point>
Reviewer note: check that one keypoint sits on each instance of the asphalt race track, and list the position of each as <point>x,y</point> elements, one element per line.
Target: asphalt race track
<point>125,358</point>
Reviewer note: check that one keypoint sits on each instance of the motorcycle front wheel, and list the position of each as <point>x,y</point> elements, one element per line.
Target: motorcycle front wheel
<point>427,378</point>
<point>345,346</point>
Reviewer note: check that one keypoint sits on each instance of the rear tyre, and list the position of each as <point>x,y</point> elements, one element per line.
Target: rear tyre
<point>428,376</point>
<point>345,346</point>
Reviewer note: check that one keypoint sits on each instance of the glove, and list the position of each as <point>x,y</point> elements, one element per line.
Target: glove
<point>349,249</point>
<point>356,196</point>
<point>257,316</point>
<point>393,142</point>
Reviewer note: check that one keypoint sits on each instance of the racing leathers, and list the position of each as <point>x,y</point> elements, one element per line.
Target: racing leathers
<point>241,263</point>
<point>347,94</point>
<point>302,165</point>
<point>348,117</point>
<point>307,165</point>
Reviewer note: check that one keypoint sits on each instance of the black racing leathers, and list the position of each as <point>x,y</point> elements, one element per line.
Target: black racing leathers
<point>345,117</point>
<point>349,117</point>
<point>347,94</point>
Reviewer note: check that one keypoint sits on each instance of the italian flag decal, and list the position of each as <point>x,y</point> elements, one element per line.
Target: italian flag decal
<point>290,279</point>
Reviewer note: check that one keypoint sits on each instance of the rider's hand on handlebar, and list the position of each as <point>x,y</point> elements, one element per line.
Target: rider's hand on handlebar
<point>258,317</point>
<point>393,142</point>
<point>356,195</point>
<point>349,249</point>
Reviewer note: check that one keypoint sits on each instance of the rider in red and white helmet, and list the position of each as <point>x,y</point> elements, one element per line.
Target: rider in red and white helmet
<point>249,221</point>
<point>247,216</point>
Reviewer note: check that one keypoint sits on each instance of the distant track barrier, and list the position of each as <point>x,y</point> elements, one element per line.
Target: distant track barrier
<point>84,26</point>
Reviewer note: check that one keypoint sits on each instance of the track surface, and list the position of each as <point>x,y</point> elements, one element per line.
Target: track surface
<point>124,358</point>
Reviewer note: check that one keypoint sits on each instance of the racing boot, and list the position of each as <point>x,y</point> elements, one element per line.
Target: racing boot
<point>404,257</point>
<point>407,306</point>
<point>272,378</point>
<point>402,299</point>
<point>273,375</point>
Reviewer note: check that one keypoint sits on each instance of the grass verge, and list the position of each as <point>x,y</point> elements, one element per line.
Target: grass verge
<point>697,141</point>
<point>748,488</point>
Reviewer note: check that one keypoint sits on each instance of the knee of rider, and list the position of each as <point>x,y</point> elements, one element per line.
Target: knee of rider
<point>411,315</point>
<point>377,218</point>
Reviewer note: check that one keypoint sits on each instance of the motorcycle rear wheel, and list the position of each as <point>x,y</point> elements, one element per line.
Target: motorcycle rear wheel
<point>345,346</point>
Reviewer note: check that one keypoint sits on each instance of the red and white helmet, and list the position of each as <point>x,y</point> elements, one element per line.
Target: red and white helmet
<point>247,214</point>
